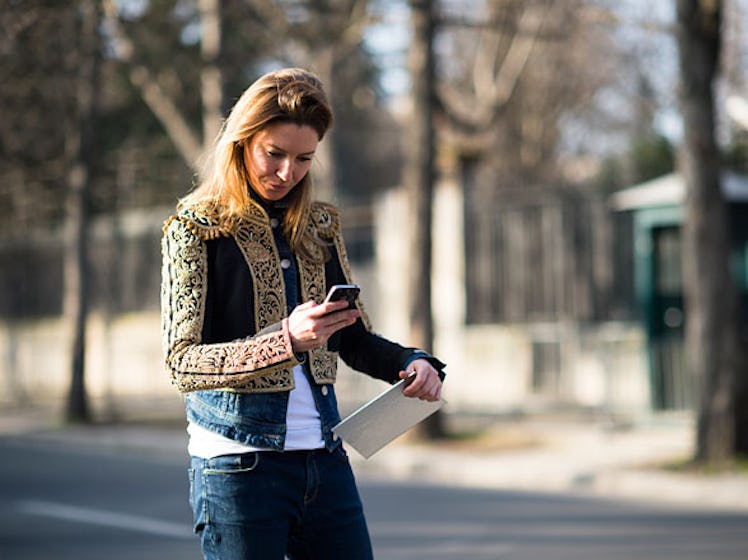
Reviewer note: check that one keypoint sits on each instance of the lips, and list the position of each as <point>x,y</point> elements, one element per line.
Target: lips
<point>274,191</point>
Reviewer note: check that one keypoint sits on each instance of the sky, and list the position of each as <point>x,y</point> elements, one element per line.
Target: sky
<point>388,41</point>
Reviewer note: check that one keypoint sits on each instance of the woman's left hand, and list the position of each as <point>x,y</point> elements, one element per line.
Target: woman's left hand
<point>426,384</point>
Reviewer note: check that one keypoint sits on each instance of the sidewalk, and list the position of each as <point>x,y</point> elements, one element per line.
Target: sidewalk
<point>635,463</point>
<point>566,455</point>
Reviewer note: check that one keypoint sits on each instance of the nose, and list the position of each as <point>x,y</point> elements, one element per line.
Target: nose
<point>285,170</point>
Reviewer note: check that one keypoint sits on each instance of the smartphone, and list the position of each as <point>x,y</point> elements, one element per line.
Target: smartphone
<point>348,292</point>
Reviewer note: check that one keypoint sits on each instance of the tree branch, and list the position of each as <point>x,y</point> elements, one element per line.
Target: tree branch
<point>210,75</point>
<point>176,126</point>
<point>493,88</point>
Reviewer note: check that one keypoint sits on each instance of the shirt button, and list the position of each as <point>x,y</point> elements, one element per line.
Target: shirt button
<point>324,391</point>
<point>285,264</point>
<point>274,222</point>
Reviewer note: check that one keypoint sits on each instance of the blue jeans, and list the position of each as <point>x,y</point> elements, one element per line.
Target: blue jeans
<point>266,505</point>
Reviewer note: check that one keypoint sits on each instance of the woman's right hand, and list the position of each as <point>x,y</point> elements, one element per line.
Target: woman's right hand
<point>311,324</point>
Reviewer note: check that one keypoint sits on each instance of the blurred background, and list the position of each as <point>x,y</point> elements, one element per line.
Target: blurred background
<point>515,179</point>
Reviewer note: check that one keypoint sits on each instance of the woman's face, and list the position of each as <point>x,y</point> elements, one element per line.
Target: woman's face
<point>278,157</point>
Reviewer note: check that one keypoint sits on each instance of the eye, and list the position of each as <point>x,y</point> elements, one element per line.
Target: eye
<point>275,153</point>
<point>305,158</point>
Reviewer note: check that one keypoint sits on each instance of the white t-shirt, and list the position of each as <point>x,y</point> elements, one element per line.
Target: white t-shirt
<point>303,427</point>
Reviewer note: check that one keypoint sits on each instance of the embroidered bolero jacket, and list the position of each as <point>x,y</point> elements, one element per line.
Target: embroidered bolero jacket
<point>224,311</point>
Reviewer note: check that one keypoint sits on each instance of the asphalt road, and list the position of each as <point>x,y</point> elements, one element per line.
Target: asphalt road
<point>63,502</point>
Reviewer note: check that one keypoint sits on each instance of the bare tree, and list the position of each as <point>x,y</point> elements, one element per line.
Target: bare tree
<point>493,85</point>
<point>151,84</point>
<point>420,175</point>
<point>712,341</point>
<point>499,61</point>
<point>210,75</point>
<point>80,149</point>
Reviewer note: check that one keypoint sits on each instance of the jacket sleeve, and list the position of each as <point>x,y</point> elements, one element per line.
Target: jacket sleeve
<point>195,366</point>
<point>379,357</point>
<point>358,345</point>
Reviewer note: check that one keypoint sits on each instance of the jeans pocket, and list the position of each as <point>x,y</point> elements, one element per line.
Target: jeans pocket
<point>233,464</point>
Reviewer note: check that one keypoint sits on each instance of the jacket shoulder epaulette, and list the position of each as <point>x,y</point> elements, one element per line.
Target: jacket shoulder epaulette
<point>325,219</point>
<point>202,224</point>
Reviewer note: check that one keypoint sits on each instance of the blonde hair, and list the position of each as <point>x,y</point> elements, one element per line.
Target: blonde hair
<point>287,95</point>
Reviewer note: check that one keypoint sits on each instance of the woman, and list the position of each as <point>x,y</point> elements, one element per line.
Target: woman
<point>248,260</point>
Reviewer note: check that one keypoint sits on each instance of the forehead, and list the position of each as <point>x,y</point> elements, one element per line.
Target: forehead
<point>290,137</point>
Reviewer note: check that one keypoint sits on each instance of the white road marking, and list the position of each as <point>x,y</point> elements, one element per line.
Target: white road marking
<point>105,518</point>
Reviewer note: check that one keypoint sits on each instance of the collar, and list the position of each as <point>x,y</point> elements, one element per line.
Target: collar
<point>274,208</point>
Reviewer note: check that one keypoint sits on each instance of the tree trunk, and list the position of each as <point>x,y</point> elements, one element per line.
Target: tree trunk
<point>325,183</point>
<point>210,75</point>
<point>420,176</point>
<point>710,296</point>
<point>80,151</point>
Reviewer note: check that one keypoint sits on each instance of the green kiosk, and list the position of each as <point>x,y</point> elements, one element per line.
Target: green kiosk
<point>657,213</point>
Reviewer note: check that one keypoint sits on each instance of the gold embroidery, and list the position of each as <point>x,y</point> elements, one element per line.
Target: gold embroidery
<point>322,363</point>
<point>261,362</point>
<point>257,364</point>
<point>202,226</point>
<point>327,219</point>
<point>258,247</point>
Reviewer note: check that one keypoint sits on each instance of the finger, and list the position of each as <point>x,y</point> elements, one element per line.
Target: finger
<point>409,375</point>
<point>433,394</point>
<point>339,319</point>
<point>415,386</point>
<point>428,388</point>
<point>303,309</point>
<point>331,307</point>
<point>324,328</point>
<point>428,392</point>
